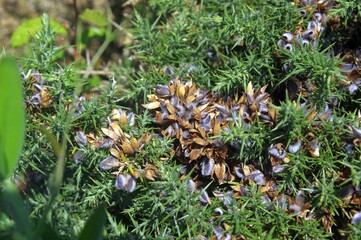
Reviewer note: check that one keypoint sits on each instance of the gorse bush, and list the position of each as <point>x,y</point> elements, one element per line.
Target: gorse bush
<point>232,121</point>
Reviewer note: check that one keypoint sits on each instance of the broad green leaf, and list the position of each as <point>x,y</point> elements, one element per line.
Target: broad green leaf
<point>49,232</point>
<point>12,117</point>
<point>25,31</point>
<point>12,201</point>
<point>93,229</point>
<point>96,32</point>
<point>94,17</point>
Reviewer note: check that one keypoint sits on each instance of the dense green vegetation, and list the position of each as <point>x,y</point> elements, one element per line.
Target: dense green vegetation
<point>224,120</point>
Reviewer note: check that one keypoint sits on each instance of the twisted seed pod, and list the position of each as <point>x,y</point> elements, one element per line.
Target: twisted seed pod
<point>287,37</point>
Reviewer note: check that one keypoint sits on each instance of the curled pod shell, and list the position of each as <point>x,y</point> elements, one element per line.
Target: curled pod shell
<point>287,37</point>
<point>288,47</point>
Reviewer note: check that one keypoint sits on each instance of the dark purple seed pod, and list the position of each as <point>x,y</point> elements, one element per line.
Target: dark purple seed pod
<point>348,66</point>
<point>239,172</point>
<point>356,219</point>
<point>281,43</point>
<point>131,183</point>
<point>303,12</point>
<point>38,87</point>
<point>106,142</point>
<point>312,25</point>
<point>257,176</point>
<point>162,90</point>
<point>349,149</point>
<point>352,88</point>
<point>191,186</point>
<point>121,182</point>
<point>109,163</point>
<point>228,237</point>
<point>204,198</point>
<point>286,67</point>
<point>261,97</point>
<point>288,47</point>
<point>282,201</point>
<point>80,139</point>
<point>36,99</point>
<point>278,153</point>
<point>183,170</point>
<point>250,98</point>
<point>299,203</point>
<point>223,110</point>
<point>207,167</point>
<point>308,35</point>
<point>287,37</point>
<point>218,231</point>
<point>219,211</point>
<point>78,157</point>
<point>169,71</point>
<point>314,148</point>
<point>263,108</point>
<point>278,168</point>
<point>356,132</point>
<point>265,199</point>
<point>296,146</point>
<point>305,42</point>
<point>318,17</point>
<point>131,119</point>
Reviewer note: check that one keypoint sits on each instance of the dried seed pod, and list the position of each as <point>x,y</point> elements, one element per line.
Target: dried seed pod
<point>218,231</point>
<point>151,105</point>
<point>239,172</point>
<point>204,198</point>
<point>277,151</point>
<point>191,186</point>
<point>78,156</point>
<point>309,34</point>
<point>105,143</point>
<point>303,12</point>
<point>131,184</point>
<point>169,71</point>
<point>287,37</point>
<point>288,47</point>
<point>126,183</point>
<point>296,146</point>
<point>121,182</point>
<point>80,139</point>
<point>219,211</point>
<point>356,132</point>
<point>225,197</point>
<point>314,148</point>
<point>278,168</point>
<point>298,204</point>
<point>220,170</point>
<point>281,43</point>
<point>352,88</point>
<point>109,163</point>
<point>356,219</point>
<point>257,176</point>
<point>305,42</point>
<point>162,90</point>
<point>317,17</point>
<point>207,167</point>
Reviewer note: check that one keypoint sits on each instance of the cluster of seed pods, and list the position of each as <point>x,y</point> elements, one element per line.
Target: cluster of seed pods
<point>193,116</point>
<point>39,91</point>
<point>351,71</point>
<point>309,36</point>
<point>314,29</point>
<point>122,145</point>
